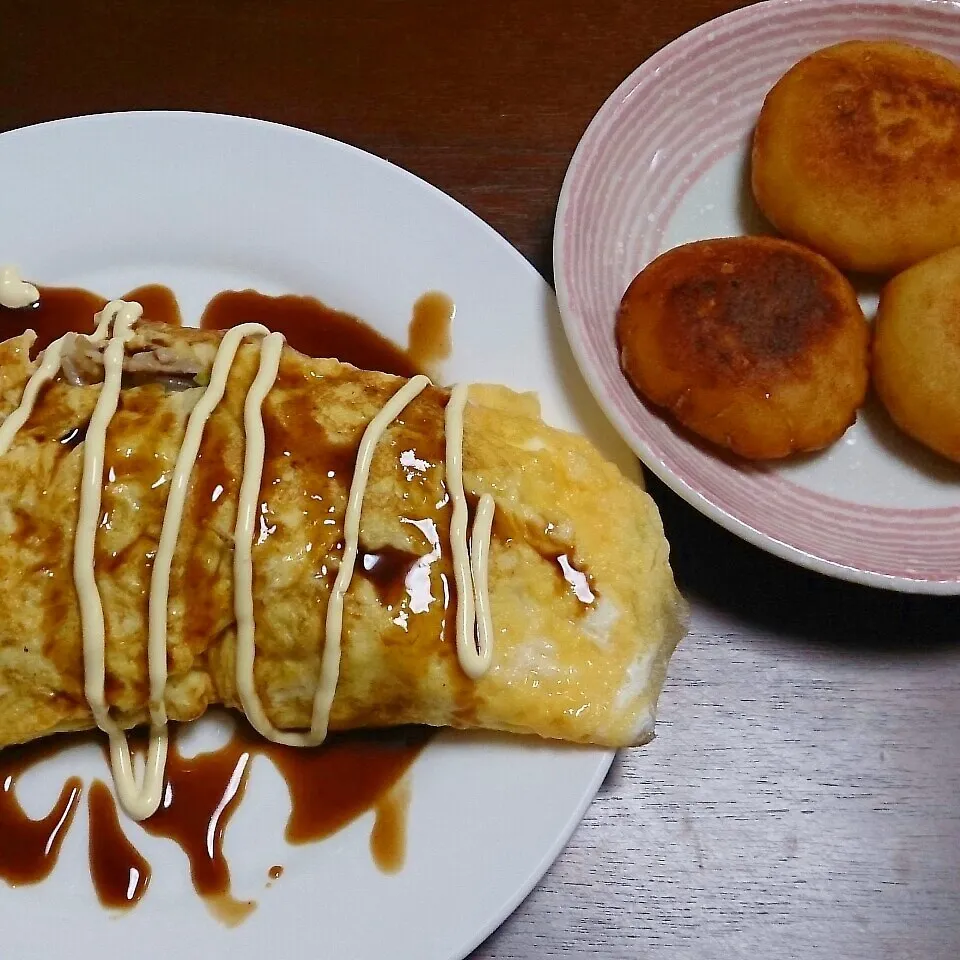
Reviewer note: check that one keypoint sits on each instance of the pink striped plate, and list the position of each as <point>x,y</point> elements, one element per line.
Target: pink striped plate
<point>664,162</point>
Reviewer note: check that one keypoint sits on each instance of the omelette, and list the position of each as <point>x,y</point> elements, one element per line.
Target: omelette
<point>188,522</point>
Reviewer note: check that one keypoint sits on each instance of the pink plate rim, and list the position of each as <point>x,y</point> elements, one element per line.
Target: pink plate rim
<point>859,542</point>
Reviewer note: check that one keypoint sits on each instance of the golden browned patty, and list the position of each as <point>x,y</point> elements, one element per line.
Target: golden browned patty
<point>916,352</point>
<point>752,342</point>
<point>857,154</point>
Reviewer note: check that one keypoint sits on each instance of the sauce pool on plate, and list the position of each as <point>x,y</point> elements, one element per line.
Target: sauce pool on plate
<point>59,310</point>
<point>29,848</point>
<point>120,873</point>
<point>310,327</point>
<point>428,335</point>
<point>159,303</point>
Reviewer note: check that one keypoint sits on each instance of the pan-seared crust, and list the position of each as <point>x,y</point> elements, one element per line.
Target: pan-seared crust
<point>857,154</point>
<point>563,668</point>
<point>752,342</point>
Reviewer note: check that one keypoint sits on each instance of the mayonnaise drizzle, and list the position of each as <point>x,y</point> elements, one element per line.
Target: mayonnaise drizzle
<point>243,566</point>
<point>474,623</point>
<point>48,369</point>
<point>140,795</point>
<point>480,569</point>
<point>14,291</point>
<point>172,519</point>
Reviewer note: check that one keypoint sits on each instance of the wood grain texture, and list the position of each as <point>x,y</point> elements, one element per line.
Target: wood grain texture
<point>802,798</point>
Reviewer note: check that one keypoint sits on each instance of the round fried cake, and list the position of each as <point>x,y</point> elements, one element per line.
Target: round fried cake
<point>755,343</point>
<point>916,352</point>
<point>857,154</point>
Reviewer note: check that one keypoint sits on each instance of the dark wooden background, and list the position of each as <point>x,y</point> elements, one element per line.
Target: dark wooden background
<point>803,796</point>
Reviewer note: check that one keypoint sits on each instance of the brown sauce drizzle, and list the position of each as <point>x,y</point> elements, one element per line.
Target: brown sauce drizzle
<point>330,786</point>
<point>59,310</point>
<point>73,437</point>
<point>310,327</point>
<point>428,336</point>
<point>119,872</point>
<point>200,797</point>
<point>29,848</point>
<point>387,570</point>
<point>388,839</point>
<point>159,303</point>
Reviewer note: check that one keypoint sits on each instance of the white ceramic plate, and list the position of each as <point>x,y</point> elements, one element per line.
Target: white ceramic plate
<point>664,162</point>
<point>202,203</point>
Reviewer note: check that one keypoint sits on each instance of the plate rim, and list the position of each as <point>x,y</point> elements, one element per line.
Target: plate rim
<point>571,325</point>
<point>604,757</point>
<point>541,869</point>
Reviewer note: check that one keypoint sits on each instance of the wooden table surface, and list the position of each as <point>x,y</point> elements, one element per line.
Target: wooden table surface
<point>803,796</point>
